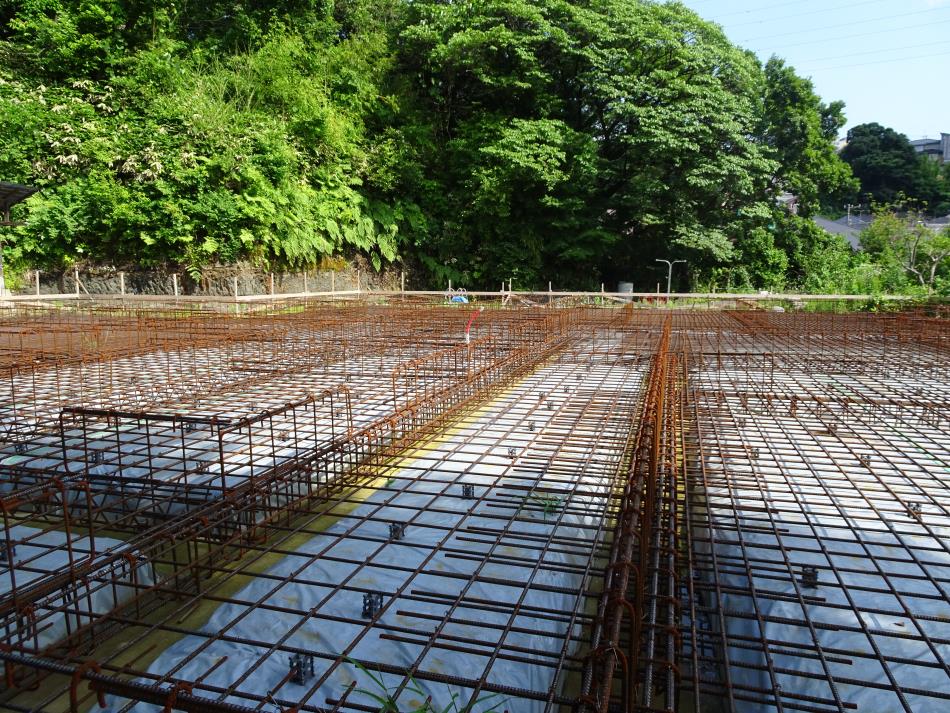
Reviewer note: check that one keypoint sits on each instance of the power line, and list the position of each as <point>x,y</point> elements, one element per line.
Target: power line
<point>847,24</point>
<point>758,9</point>
<point>881,61</point>
<point>860,34</point>
<point>879,51</point>
<point>846,6</point>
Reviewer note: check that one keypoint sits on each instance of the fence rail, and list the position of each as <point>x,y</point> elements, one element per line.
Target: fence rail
<point>515,294</point>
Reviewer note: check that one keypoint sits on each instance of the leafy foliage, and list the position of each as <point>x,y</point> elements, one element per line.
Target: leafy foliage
<point>383,696</point>
<point>888,168</point>
<point>800,132</point>
<point>904,243</point>
<point>638,117</point>
<point>564,140</point>
<point>189,156</point>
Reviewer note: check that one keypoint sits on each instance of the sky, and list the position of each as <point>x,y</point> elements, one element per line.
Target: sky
<point>888,60</point>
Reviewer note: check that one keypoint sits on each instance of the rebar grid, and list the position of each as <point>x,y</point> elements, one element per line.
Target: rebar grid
<point>164,468</point>
<point>474,372</point>
<point>818,581</point>
<point>695,511</point>
<point>262,368</point>
<point>702,620</point>
<point>853,523</point>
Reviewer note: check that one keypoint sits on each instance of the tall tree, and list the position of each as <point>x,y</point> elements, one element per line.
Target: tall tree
<point>640,117</point>
<point>888,167</point>
<point>800,131</point>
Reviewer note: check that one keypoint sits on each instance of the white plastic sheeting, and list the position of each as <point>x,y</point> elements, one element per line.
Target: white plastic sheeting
<point>166,453</point>
<point>38,554</point>
<point>355,554</point>
<point>829,487</point>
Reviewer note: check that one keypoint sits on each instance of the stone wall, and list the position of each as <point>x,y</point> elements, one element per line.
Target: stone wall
<point>214,281</point>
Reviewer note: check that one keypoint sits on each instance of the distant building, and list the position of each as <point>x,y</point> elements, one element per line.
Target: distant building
<point>789,202</point>
<point>937,149</point>
<point>851,233</point>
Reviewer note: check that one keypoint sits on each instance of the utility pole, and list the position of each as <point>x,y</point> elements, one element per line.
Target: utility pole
<point>669,274</point>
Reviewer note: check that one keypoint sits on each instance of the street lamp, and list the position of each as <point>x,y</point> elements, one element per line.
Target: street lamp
<point>669,274</point>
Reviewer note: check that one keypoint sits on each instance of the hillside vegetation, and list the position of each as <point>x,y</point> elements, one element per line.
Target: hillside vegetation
<point>546,140</point>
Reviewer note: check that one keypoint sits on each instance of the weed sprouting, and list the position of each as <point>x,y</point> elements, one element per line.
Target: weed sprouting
<point>384,697</point>
<point>549,504</point>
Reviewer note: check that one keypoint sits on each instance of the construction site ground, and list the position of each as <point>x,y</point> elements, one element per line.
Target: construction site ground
<point>421,507</point>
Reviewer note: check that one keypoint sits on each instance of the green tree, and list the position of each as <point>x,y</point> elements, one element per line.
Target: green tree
<point>647,113</point>
<point>935,186</point>
<point>800,130</point>
<point>905,240</point>
<point>888,167</point>
<point>564,140</point>
<point>279,153</point>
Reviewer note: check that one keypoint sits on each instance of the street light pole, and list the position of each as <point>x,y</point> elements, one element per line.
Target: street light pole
<point>669,275</point>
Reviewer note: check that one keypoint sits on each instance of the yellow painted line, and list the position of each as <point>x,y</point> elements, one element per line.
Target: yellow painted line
<point>443,437</point>
<point>139,651</point>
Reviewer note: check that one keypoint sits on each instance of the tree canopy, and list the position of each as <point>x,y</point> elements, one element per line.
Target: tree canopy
<point>571,141</point>
<point>890,170</point>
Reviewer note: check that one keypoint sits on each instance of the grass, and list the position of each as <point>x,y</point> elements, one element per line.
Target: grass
<point>382,696</point>
<point>548,504</point>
